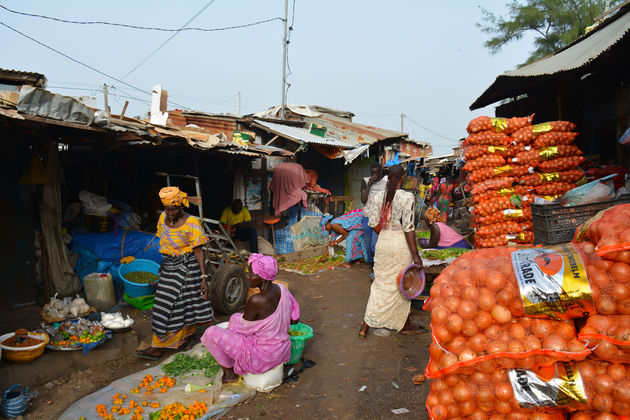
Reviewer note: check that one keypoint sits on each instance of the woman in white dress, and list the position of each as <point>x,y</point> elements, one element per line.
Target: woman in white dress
<point>393,210</point>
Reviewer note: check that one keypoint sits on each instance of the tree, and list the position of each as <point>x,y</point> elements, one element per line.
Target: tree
<point>555,22</point>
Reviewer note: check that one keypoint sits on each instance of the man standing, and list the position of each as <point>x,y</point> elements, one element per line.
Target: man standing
<point>369,187</point>
<point>239,218</point>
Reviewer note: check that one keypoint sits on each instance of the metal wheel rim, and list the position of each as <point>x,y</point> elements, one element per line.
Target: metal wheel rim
<point>233,289</point>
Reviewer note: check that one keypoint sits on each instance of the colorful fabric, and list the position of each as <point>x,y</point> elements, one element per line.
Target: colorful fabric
<point>325,219</point>
<point>433,215</point>
<point>181,240</point>
<point>254,346</point>
<point>448,235</point>
<point>387,307</point>
<point>370,237</point>
<point>266,267</point>
<point>173,340</point>
<point>311,184</point>
<point>352,221</point>
<point>173,196</point>
<point>229,218</point>
<point>178,302</point>
<point>286,185</point>
<point>461,244</point>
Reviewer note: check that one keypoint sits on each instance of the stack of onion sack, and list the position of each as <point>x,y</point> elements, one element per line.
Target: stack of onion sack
<point>587,387</point>
<point>500,214</point>
<point>549,148</point>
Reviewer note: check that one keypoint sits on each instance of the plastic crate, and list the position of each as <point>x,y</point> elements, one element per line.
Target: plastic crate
<point>556,224</point>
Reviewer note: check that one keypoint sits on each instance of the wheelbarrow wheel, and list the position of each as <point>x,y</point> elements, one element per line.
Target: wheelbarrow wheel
<point>229,289</point>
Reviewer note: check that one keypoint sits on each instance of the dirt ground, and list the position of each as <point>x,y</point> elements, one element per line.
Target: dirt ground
<point>333,303</point>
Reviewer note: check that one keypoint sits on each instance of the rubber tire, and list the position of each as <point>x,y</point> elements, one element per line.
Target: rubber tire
<point>226,274</point>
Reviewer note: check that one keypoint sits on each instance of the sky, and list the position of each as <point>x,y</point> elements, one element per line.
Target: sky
<point>377,59</point>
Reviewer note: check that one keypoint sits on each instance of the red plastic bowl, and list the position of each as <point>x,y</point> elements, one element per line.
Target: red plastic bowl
<point>411,281</point>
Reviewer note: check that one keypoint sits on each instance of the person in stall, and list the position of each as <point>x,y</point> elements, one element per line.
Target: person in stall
<point>444,198</point>
<point>348,226</point>
<point>369,187</point>
<point>442,235</point>
<point>257,340</point>
<point>392,213</point>
<point>237,217</point>
<point>181,299</point>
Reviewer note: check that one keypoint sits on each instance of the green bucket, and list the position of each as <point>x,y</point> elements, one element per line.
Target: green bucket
<point>298,342</point>
<point>140,302</point>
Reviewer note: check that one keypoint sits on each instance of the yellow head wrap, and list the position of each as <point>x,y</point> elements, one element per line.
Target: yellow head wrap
<point>172,196</point>
<point>433,215</point>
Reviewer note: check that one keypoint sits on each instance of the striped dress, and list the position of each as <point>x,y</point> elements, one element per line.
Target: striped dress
<point>178,306</point>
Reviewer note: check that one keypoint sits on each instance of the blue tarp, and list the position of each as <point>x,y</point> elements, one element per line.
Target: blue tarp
<point>101,252</point>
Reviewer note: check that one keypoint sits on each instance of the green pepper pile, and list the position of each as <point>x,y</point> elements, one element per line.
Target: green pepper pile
<point>142,277</point>
<point>183,364</point>
<point>443,254</point>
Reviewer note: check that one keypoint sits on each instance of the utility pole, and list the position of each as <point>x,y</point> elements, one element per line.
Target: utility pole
<point>239,104</point>
<point>402,117</point>
<point>105,103</point>
<point>284,58</point>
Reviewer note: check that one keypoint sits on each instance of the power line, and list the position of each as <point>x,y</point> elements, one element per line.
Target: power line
<point>169,38</point>
<point>82,63</point>
<point>424,127</point>
<point>146,28</point>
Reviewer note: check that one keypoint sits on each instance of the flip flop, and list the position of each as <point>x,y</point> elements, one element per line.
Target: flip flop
<point>419,330</point>
<point>145,354</point>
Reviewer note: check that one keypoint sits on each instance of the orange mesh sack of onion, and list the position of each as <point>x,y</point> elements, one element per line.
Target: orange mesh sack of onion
<point>512,307</point>
<point>609,230</point>
<point>542,393</point>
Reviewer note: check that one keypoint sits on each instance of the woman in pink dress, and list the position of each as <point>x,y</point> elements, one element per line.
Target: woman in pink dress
<point>257,340</point>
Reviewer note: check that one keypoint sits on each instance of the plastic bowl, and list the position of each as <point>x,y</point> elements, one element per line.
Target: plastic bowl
<point>138,289</point>
<point>24,354</point>
<point>411,281</point>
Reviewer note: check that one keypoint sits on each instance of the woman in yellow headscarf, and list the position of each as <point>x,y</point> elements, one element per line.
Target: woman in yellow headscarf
<point>181,299</point>
<point>442,235</point>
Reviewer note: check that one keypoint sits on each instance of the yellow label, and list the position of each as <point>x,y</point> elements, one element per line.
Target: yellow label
<point>548,152</point>
<point>495,149</point>
<point>513,214</point>
<point>507,191</point>
<point>502,169</point>
<point>570,384</point>
<point>541,128</point>
<point>499,124</point>
<point>550,197</point>
<point>553,282</point>
<point>549,176</point>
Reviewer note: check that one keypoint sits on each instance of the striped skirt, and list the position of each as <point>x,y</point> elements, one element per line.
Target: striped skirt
<point>178,304</point>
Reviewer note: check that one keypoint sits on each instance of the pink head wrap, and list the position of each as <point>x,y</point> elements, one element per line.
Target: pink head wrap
<point>265,267</point>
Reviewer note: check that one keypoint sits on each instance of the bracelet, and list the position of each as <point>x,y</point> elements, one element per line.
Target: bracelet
<point>204,276</point>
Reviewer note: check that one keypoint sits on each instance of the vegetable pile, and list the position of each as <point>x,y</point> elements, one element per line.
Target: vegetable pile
<point>313,265</point>
<point>178,411</point>
<point>142,277</point>
<point>443,254</point>
<point>509,162</point>
<point>294,333</point>
<point>183,364</point>
<point>136,409</point>
<point>74,334</point>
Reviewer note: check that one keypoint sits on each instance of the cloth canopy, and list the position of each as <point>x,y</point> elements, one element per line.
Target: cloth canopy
<point>286,186</point>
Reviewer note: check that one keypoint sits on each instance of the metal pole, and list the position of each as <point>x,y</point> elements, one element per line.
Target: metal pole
<point>239,104</point>
<point>284,58</point>
<point>105,102</point>
<point>402,116</point>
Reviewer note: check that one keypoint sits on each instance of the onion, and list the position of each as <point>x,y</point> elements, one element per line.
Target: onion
<point>501,314</point>
<point>484,395</point>
<point>494,280</point>
<point>622,391</point>
<point>554,343</point>
<point>565,330</point>
<point>619,292</point>
<point>605,305</point>
<point>532,343</point>
<point>602,402</point>
<point>478,342</point>
<point>469,328</point>
<point>479,378</point>
<point>451,380</point>
<point>439,315</point>
<point>467,407</point>
<point>515,346</point>
<point>486,300</point>
<point>467,310</point>
<point>457,344</point>
<point>439,412</point>
<point>502,407</point>
<point>541,328</point>
<point>623,307</point>
<point>483,320</point>
<point>603,384</point>
<point>517,332</point>
<point>471,294</point>
<point>620,272</point>
<point>575,346</point>
<point>461,392</point>
<point>492,332</point>
<point>495,346</point>
<point>454,323</point>
<point>467,355</point>
<point>452,303</point>
<point>442,334</point>
<point>447,360</point>
<point>438,385</point>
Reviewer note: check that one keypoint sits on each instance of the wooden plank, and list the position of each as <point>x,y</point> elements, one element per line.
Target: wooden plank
<point>272,140</point>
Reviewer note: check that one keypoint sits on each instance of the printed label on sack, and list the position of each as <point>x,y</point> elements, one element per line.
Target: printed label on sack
<point>548,152</point>
<point>531,391</point>
<point>495,149</point>
<point>553,282</point>
<point>549,176</point>
<point>541,128</point>
<point>506,191</point>
<point>516,237</point>
<point>502,169</point>
<point>499,124</point>
<point>513,213</point>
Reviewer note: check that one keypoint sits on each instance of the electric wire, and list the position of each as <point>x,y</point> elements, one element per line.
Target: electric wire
<point>147,28</point>
<point>424,127</point>
<point>168,39</point>
<point>82,63</point>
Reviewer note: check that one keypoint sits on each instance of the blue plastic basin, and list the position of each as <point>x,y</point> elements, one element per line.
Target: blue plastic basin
<point>138,289</point>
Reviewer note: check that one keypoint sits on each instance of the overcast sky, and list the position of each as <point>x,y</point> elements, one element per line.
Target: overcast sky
<point>377,59</point>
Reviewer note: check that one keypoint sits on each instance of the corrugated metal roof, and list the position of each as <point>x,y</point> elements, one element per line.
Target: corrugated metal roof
<point>303,135</point>
<point>351,132</point>
<point>579,54</point>
<point>18,77</point>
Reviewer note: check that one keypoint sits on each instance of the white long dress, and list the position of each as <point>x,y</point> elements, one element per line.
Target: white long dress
<point>387,307</point>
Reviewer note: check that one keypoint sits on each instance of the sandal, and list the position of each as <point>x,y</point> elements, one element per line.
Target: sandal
<point>416,331</point>
<point>146,354</point>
